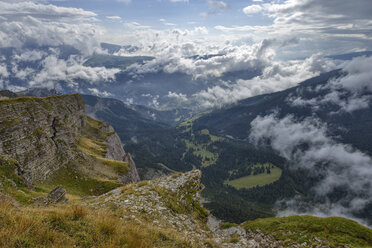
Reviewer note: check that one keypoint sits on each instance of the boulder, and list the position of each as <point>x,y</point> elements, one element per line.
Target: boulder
<point>56,195</point>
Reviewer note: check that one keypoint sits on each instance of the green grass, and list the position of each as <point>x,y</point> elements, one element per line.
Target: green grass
<point>32,99</point>
<point>119,166</point>
<point>78,184</point>
<point>256,180</point>
<point>21,193</point>
<point>208,157</point>
<point>92,147</point>
<point>187,206</point>
<point>187,124</point>
<point>336,231</point>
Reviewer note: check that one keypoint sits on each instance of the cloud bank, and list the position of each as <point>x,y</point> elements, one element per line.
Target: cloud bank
<point>276,76</point>
<point>333,167</point>
<point>350,92</point>
<point>26,23</point>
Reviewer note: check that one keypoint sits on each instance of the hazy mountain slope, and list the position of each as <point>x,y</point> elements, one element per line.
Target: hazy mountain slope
<point>111,61</point>
<point>354,128</point>
<point>323,128</point>
<point>156,145</point>
<point>150,142</point>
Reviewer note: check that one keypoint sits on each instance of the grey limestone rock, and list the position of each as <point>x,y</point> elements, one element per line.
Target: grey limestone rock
<point>132,175</point>
<point>39,132</point>
<point>115,151</point>
<point>56,195</point>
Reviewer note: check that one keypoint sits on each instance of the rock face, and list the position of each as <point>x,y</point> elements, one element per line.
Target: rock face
<point>42,134</point>
<point>132,175</point>
<point>115,151</point>
<point>38,132</point>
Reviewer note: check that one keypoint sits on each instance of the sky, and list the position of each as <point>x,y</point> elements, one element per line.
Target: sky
<point>331,27</point>
<point>288,40</point>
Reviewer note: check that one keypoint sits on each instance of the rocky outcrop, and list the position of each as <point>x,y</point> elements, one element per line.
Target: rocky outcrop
<point>173,202</point>
<point>115,151</point>
<point>169,202</point>
<point>39,132</point>
<point>42,134</point>
<point>156,171</point>
<point>56,195</point>
<point>132,175</point>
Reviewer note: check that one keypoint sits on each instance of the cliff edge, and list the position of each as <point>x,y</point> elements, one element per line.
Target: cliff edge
<point>39,132</point>
<point>51,142</point>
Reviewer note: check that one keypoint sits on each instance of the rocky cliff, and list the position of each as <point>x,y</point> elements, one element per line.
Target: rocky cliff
<point>45,134</point>
<point>115,151</point>
<point>38,132</point>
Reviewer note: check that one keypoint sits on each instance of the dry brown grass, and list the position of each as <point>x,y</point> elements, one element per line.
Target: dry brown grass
<point>79,226</point>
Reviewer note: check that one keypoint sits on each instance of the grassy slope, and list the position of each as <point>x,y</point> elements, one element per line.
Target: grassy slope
<point>200,149</point>
<point>256,180</point>
<point>92,175</point>
<point>80,226</point>
<point>9,178</point>
<point>88,174</point>
<point>336,231</point>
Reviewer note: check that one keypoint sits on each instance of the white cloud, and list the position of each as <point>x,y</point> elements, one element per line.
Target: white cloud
<point>180,96</point>
<point>275,76</point>
<point>99,93</point>
<point>348,18</point>
<point>55,70</point>
<point>135,26</point>
<point>252,9</point>
<point>351,92</point>
<point>329,164</point>
<point>114,18</point>
<point>167,23</point>
<point>48,25</point>
<point>218,4</point>
<point>30,55</point>
<point>3,71</point>
<point>215,7</point>
<point>15,10</point>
